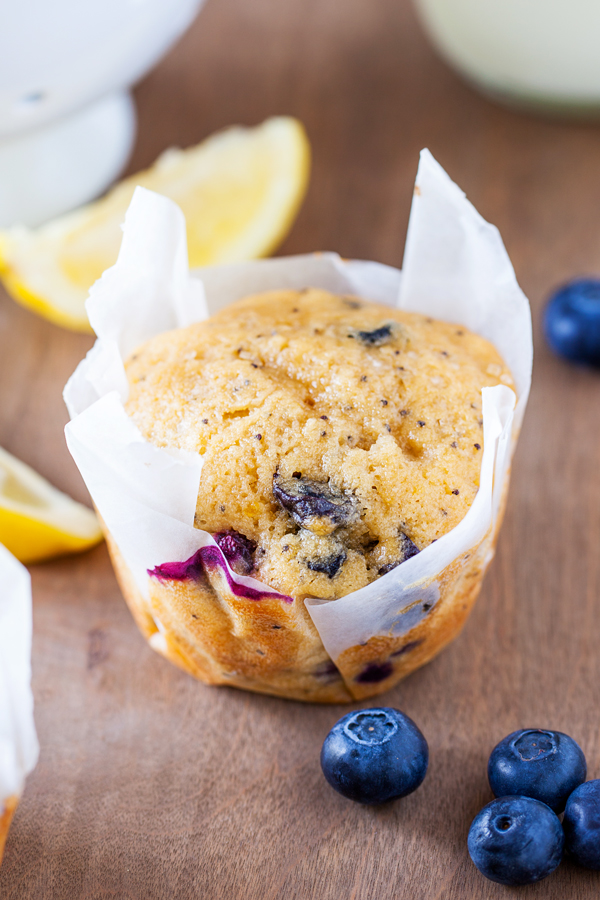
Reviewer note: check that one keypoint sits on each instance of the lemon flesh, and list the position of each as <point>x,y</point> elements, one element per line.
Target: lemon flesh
<point>37,521</point>
<point>239,190</point>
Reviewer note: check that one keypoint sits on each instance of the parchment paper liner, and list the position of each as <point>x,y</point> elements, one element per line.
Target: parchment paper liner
<point>455,269</point>
<point>18,740</point>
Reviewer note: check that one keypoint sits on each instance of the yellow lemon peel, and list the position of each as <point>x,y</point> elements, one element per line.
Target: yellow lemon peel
<point>239,190</point>
<point>37,521</point>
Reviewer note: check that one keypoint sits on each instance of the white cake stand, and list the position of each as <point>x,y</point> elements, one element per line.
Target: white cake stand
<point>67,120</point>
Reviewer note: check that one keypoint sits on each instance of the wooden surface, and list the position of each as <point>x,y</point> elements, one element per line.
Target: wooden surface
<point>152,786</point>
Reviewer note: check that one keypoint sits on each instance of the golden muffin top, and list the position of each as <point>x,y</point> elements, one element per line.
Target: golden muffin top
<point>339,437</point>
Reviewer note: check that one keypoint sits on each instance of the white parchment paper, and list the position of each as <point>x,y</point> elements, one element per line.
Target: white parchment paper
<point>455,268</point>
<point>18,740</point>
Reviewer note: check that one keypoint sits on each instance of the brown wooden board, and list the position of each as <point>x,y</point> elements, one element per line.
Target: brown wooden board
<point>153,786</point>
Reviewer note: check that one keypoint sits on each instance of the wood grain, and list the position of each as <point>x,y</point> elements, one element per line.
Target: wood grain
<point>151,786</point>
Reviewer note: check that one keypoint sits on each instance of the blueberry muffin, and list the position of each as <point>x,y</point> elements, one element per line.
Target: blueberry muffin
<point>339,438</point>
<point>7,811</point>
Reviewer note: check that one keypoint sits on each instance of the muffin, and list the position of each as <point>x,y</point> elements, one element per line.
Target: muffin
<point>18,740</point>
<point>7,811</point>
<point>339,439</point>
<point>301,489</point>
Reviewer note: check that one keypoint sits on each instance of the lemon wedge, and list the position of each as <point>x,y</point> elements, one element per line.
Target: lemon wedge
<point>36,520</point>
<point>239,190</point>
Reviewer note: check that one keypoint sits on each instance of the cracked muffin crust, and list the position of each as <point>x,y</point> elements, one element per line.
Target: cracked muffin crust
<point>339,437</point>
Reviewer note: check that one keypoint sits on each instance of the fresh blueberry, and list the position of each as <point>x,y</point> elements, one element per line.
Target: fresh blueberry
<point>582,824</point>
<point>545,765</point>
<point>374,755</point>
<point>516,840</point>
<point>572,321</point>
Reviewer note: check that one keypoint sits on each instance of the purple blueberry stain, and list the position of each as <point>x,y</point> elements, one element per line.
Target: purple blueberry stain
<point>191,569</point>
<point>407,648</point>
<point>212,558</point>
<point>327,670</point>
<point>375,672</point>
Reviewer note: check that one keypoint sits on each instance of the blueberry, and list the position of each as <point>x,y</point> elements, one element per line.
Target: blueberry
<point>406,549</point>
<point>377,337</point>
<point>238,549</point>
<point>516,840</point>
<point>375,672</point>
<point>572,321</point>
<point>545,765</point>
<point>375,755</point>
<point>582,824</point>
<point>314,505</point>
<point>329,565</point>
<point>327,670</point>
<point>321,554</point>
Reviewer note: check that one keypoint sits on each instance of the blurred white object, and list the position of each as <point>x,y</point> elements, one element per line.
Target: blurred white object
<point>52,169</point>
<point>18,739</point>
<point>537,53</point>
<point>67,123</point>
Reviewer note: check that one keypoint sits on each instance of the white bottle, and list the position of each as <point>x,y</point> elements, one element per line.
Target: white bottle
<point>538,53</point>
